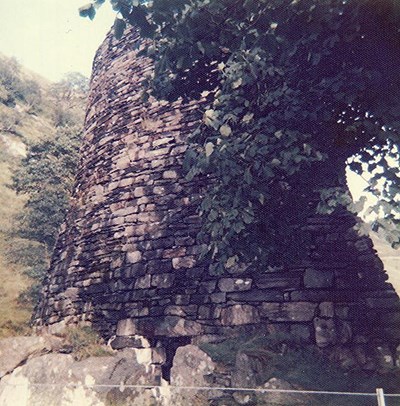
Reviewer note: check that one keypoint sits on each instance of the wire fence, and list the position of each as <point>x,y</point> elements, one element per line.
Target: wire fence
<point>379,395</point>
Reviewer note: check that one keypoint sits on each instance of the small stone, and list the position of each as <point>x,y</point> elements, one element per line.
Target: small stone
<point>182,299</point>
<point>204,312</point>
<point>183,262</point>
<point>295,311</point>
<point>138,192</point>
<point>120,342</point>
<point>174,311</point>
<point>173,326</point>
<point>134,257</point>
<point>159,190</point>
<point>143,283</point>
<point>325,332</point>
<point>233,284</point>
<point>165,280</point>
<point>158,152</point>
<point>207,287</point>
<point>174,252</point>
<point>162,141</point>
<point>158,356</point>
<point>318,279</point>
<point>219,297</point>
<point>126,327</point>
<point>170,175</point>
<point>238,315</point>
<point>326,309</point>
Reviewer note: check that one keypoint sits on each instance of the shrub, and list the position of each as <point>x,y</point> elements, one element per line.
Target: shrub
<point>85,343</point>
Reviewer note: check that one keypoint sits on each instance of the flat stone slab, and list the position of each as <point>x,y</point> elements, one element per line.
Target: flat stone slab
<point>15,351</point>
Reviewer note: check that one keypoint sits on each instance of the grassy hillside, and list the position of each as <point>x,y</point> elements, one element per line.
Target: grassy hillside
<point>31,109</point>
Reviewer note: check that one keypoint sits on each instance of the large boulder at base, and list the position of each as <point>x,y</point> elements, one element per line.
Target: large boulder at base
<point>15,351</point>
<point>59,380</point>
<point>190,369</point>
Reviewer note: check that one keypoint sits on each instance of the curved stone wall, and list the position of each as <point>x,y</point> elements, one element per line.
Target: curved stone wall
<point>127,260</point>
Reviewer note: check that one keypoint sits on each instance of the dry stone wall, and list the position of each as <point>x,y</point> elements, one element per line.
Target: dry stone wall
<point>127,258</point>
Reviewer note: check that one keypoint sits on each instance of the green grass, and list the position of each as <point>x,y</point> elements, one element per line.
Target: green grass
<point>14,316</point>
<point>85,342</point>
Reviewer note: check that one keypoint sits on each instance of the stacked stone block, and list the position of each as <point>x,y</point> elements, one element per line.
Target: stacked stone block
<point>127,258</point>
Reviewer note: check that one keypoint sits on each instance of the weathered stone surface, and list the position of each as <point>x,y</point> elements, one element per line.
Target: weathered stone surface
<point>134,341</point>
<point>284,398</point>
<point>248,371</point>
<point>296,311</point>
<point>134,257</point>
<point>163,280</point>
<point>143,282</point>
<point>173,326</point>
<point>325,332</point>
<point>279,280</point>
<point>126,327</point>
<point>326,309</point>
<point>15,351</point>
<point>183,262</point>
<point>234,284</point>
<point>190,369</point>
<point>315,278</point>
<point>64,382</point>
<point>239,314</point>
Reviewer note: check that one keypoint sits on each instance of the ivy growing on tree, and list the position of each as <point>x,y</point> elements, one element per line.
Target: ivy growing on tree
<point>291,88</point>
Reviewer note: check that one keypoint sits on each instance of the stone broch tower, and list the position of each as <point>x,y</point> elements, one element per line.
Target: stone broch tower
<point>127,259</point>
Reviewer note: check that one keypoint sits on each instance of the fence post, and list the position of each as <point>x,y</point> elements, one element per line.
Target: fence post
<point>380,396</point>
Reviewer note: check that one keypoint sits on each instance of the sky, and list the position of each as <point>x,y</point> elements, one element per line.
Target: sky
<point>49,37</point>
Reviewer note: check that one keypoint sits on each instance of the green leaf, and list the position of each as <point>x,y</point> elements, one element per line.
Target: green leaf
<point>231,261</point>
<point>238,227</point>
<point>247,217</point>
<point>119,27</point>
<point>356,167</point>
<point>213,215</point>
<point>248,178</point>
<point>87,11</point>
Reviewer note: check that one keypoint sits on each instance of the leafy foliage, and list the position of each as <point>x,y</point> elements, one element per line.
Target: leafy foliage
<point>69,96</point>
<point>38,121</point>
<point>14,88</point>
<point>291,89</point>
<point>33,260</point>
<point>46,175</point>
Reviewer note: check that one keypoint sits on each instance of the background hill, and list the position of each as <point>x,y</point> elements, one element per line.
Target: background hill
<point>33,113</point>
